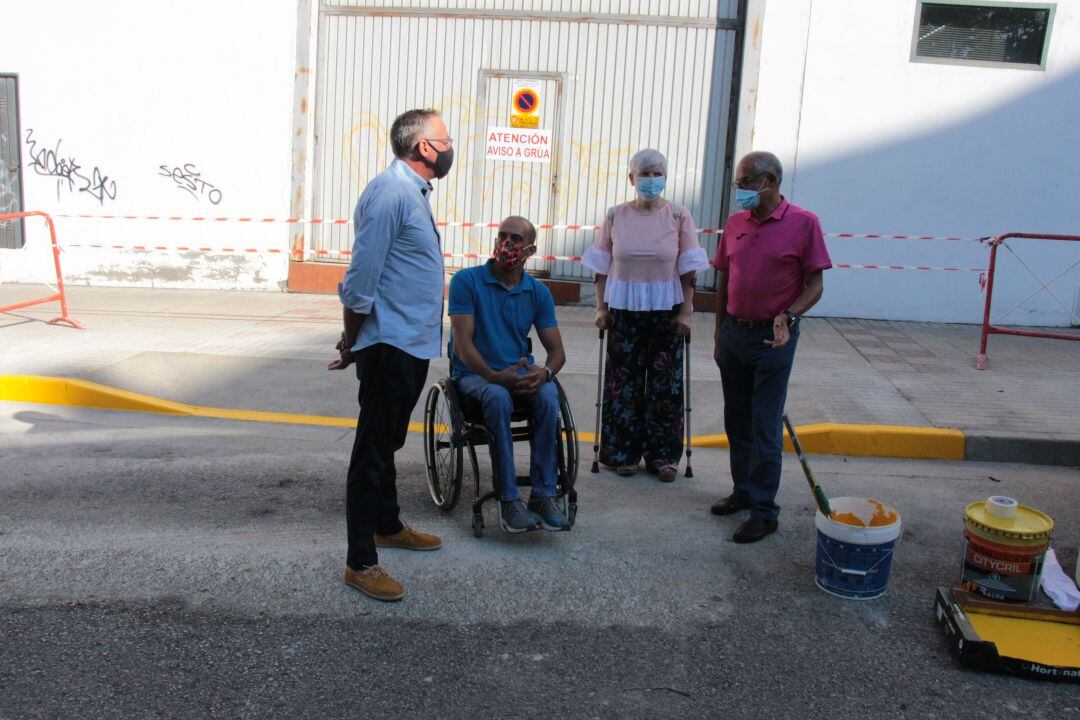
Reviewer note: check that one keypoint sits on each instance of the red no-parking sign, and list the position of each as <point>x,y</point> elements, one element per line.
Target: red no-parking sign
<point>525,104</point>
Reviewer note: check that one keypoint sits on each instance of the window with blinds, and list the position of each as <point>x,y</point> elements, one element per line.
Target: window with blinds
<point>996,34</point>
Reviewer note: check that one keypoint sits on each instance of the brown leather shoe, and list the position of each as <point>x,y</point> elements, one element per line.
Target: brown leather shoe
<point>375,582</point>
<point>408,539</point>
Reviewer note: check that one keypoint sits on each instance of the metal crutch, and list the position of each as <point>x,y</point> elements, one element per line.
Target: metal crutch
<point>686,406</point>
<point>599,404</point>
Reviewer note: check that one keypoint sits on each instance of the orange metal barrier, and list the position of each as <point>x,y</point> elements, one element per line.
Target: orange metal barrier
<point>59,295</point>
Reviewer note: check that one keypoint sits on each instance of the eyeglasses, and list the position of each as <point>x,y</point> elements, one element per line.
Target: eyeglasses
<point>743,183</point>
<point>447,141</point>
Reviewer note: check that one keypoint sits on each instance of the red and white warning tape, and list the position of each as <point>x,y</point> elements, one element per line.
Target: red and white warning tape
<point>847,266</point>
<point>321,221</point>
<point>464,256</point>
<point>293,221</point>
<point>312,253</point>
<point>177,248</point>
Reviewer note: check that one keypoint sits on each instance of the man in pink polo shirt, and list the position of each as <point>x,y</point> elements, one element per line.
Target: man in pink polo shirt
<point>769,266</point>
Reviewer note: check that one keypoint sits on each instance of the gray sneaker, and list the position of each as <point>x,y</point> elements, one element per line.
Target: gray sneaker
<point>551,515</point>
<point>515,518</point>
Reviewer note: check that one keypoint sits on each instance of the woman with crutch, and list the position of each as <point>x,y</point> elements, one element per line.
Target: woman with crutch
<point>645,258</point>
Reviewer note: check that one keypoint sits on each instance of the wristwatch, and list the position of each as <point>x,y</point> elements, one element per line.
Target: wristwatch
<point>550,373</point>
<point>792,318</point>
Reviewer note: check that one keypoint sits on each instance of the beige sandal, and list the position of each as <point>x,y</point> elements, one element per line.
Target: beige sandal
<point>626,470</point>
<point>668,473</point>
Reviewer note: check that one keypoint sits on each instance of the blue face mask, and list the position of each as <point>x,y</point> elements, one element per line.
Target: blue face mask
<point>747,199</point>
<point>651,187</point>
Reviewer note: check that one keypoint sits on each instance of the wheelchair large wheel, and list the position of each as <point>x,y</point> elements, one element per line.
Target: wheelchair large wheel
<point>443,445</point>
<point>567,444</point>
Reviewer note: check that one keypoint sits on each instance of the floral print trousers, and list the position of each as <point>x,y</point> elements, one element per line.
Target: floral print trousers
<point>643,402</point>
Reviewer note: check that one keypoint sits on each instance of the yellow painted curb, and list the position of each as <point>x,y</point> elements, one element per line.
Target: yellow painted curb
<point>898,441</point>
<point>81,393</point>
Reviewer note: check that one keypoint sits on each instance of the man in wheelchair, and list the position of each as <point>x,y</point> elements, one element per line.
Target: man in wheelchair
<point>493,307</point>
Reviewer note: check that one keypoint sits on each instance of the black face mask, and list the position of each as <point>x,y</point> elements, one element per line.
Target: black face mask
<point>444,160</point>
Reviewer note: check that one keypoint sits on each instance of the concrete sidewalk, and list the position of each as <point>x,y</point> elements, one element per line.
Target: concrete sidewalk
<point>268,352</point>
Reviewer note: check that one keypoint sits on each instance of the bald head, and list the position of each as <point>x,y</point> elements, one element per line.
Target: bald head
<point>517,225</point>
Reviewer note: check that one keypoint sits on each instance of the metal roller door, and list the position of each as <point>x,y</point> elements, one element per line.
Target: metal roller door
<point>614,76</point>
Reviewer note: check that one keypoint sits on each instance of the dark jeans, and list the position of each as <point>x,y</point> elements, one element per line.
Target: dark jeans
<point>755,378</point>
<point>390,384</point>
<point>498,405</point>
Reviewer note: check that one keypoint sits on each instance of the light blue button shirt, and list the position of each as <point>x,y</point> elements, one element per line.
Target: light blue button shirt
<point>396,277</point>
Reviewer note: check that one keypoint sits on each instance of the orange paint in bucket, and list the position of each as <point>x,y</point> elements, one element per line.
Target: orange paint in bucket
<point>880,518</point>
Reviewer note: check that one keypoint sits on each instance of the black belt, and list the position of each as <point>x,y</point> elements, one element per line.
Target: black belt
<point>741,322</point>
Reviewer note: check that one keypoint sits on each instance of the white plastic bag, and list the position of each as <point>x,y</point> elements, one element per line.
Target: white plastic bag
<point>1059,586</point>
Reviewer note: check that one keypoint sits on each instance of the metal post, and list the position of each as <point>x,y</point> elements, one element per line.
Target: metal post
<point>980,362</point>
<point>599,404</point>
<point>686,407</point>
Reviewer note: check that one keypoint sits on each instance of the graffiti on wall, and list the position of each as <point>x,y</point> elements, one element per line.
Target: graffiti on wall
<point>188,179</point>
<point>70,176</point>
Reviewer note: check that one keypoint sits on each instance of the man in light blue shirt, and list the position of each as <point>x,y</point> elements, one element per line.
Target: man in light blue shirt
<point>392,296</point>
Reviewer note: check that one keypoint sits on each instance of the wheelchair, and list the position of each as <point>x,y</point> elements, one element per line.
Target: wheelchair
<point>454,425</point>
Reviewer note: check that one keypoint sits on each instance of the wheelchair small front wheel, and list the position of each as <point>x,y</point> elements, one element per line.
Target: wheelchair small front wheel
<point>478,526</point>
<point>443,449</point>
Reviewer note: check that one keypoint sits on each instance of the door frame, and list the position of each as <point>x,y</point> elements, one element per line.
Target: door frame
<point>483,75</point>
<point>21,234</point>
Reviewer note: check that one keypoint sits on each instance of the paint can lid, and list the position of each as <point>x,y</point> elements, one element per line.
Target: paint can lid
<point>1007,518</point>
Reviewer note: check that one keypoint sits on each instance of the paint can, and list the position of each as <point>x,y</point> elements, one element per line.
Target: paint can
<point>1005,544</point>
<point>853,561</point>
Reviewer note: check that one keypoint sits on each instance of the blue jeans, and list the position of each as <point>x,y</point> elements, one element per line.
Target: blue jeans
<point>755,379</point>
<point>498,404</point>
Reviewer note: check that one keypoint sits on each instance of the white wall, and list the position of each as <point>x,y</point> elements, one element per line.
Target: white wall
<point>129,85</point>
<point>874,143</point>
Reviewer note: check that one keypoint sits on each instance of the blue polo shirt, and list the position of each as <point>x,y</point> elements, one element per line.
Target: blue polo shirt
<point>503,318</point>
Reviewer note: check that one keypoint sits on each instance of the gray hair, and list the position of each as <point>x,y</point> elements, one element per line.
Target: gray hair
<point>408,128</point>
<point>765,162</point>
<point>645,159</point>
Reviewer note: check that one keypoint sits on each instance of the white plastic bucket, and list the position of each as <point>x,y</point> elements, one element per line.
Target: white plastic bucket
<point>853,562</point>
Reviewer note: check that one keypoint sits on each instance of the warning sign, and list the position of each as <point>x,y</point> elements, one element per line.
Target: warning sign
<point>519,145</point>
<point>525,104</point>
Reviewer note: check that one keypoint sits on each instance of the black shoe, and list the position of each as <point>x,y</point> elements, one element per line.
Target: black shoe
<point>729,505</point>
<point>754,529</point>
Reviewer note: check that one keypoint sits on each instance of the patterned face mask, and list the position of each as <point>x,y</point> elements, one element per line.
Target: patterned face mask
<point>509,255</point>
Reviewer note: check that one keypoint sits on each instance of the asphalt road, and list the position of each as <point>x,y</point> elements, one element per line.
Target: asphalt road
<point>178,567</point>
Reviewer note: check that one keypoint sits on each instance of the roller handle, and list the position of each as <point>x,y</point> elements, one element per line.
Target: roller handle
<point>819,493</point>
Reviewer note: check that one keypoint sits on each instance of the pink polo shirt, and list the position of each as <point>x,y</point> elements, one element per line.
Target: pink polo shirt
<point>767,262</point>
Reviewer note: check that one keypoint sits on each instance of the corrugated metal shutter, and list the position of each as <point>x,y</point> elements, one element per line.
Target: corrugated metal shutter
<point>11,231</point>
<point>626,74</point>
